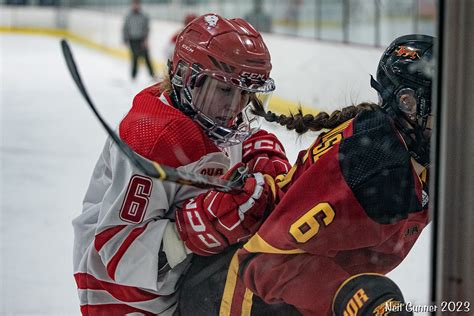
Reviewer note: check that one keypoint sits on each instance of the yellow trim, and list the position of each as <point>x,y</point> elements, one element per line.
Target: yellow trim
<point>335,130</point>
<point>325,137</point>
<point>347,281</point>
<point>285,179</point>
<point>160,170</point>
<point>269,180</point>
<point>423,175</point>
<point>230,283</point>
<point>257,244</point>
<point>277,104</point>
<point>115,52</point>
<point>247,303</point>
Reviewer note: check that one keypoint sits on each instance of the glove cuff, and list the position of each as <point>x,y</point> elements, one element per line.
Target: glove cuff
<point>173,247</point>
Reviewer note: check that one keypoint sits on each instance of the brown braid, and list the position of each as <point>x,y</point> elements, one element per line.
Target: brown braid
<point>165,84</point>
<point>301,123</point>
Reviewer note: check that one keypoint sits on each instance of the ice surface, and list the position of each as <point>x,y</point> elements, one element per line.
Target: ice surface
<point>50,142</point>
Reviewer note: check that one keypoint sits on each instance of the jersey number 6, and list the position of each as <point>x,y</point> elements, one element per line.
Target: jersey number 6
<point>136,200</point>
<point>307,226</point>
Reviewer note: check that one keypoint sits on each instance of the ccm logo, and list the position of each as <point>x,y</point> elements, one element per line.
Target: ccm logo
<point>188,48</point>
<point>261,144</point>
<point>253,76</point>
<point>197,224</point>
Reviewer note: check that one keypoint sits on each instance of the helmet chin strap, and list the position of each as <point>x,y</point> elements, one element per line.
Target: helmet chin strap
<point>384,93</point>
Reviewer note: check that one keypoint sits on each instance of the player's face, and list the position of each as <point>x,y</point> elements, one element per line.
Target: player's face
<point>220,101</point>
<point>407,102</point>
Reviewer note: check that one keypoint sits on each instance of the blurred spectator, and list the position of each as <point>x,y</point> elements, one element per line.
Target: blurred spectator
<point>48,2</point>
<point>260,20</point>
<point>17,2</point>
<point>293,13</point>
<point>135,34</point>
<point>170,47</point>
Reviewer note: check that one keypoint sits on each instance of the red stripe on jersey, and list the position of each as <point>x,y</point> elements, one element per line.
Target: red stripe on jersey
<point>110,309</point>
<point>238,298</point>
<point>113,263</point>
<point>102,238</point>
<point>123,293</point>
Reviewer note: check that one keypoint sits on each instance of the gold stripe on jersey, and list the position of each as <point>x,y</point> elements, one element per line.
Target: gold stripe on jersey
<point>257,244</point>
<point>247,303</point>
<point>230,284</point>
<point>271,183</point>
<point>284,179</point>
<point>336,130</point>
<point>327,136</point>
<point>423,175</point>
<point>160,170</point>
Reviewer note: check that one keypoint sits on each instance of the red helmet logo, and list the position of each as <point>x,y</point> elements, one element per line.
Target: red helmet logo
<point>211,20</point>
<point>405,51</point>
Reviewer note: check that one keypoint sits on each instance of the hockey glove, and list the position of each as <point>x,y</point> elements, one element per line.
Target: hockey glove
<point>264,153</point>
<point>214,220</point>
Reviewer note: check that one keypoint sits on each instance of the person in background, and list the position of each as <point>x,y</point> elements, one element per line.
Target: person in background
<point>129,251</point>
<point>260,20</point>
<point>135,33</point>
<point>349,211</point>
<point>292,15</point>
<point>172,43</point>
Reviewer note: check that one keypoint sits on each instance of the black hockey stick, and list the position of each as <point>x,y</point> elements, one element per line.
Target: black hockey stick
<point>148,167</point>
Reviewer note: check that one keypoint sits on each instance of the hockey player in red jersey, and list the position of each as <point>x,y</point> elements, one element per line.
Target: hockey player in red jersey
<point>128,254</point>
<point>354,202</point>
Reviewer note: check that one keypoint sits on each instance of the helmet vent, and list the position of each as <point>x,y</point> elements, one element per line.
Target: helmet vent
<point>215,62</point>
<point>221,65</point>
<point>256,61</point>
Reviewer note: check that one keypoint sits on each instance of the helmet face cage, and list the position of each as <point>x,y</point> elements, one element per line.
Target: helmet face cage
<point>414,104</point>
<point>404,88</point>
<point>220,102</point>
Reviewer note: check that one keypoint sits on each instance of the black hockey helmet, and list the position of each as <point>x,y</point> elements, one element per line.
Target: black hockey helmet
<point>404,78</point>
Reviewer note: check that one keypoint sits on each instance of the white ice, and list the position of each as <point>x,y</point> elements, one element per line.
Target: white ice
<point>49,144</point>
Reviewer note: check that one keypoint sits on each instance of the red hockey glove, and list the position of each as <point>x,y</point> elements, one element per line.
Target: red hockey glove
<point>264,153</point>
<point>214,220</point>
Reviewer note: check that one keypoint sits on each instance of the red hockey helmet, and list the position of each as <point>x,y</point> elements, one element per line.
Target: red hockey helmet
<point>219,65</point>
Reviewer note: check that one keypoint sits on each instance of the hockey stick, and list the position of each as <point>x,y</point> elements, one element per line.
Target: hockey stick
<point>148,167</point>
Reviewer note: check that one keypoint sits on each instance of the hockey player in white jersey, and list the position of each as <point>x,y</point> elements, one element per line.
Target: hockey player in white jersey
<point>128,255</point>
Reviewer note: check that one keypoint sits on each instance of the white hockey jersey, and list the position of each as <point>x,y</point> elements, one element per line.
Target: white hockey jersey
<point>127,255</point>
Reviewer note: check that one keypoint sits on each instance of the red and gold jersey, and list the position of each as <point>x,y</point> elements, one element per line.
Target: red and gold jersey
<point>353,203</point>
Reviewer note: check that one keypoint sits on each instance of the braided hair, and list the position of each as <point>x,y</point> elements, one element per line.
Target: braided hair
<point>301,122</point>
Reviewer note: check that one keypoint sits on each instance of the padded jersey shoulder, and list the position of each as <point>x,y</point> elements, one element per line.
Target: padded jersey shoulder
<point>377,167</point>
<point>159,132</point>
